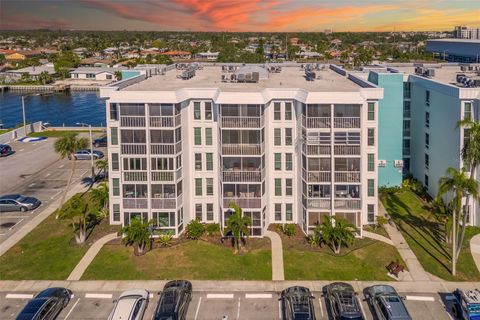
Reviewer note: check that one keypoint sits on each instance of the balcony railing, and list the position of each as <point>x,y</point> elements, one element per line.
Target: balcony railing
<point>318,203</point>
<point>135,203</point>
<point>132,121</point>
<point>348,150</point>
<point>178,173</point>
<point>242,122</point>
<point>162,203</point>
<point>162,175</point>
<point>243,202</point>
<point>313,150</point>
<point>162,121</point>
<point>316,122</point>
<point>347,176</point>
<point>346,122</point>
<point>135,176</point>
<point>349,204</point>
<point>134,148</point>
<point>242,149</point>
<point>316,176</point>
<point>242,176</point>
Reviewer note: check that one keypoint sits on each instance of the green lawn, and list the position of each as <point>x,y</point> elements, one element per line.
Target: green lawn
<point>58,133</point>
<point>425,237</point>
<point>2,131</point>
<point>365,261</point>
<point>198,260</point>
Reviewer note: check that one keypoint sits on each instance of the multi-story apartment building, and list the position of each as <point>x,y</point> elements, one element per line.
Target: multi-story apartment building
<point>464,32</point>
<point>285,144</point>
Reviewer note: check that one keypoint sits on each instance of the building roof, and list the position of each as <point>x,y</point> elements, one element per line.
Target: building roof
<point>96,70</point>
<point>34,70</point>
<point>175,53</point>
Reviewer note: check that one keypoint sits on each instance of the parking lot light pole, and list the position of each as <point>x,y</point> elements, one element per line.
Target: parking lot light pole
<point>91,153</point>
<point>24,118</point>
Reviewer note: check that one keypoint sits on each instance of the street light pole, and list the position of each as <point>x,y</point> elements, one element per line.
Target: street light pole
<point>91,153</point>
<point>24,118</point>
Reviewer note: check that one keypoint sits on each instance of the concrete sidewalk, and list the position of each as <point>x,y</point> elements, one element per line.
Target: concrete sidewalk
<point>277,255</point>
<point>378,237</point>
<point>475,250</point>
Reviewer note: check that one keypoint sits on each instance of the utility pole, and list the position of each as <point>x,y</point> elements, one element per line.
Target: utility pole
<point>454,244</point>
<point>24,118</point>
<point>91,153</point>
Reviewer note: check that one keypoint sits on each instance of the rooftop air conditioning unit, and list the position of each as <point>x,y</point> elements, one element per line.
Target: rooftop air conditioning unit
<point>476,82</point>
<point>398,163</point>
<point>463,68</point>
<point>382,163</point>
<point>255,76</point>
<point>460,76</point>
<point>430,72</point>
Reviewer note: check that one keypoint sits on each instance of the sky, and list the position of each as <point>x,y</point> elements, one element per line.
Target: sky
<point>240,15</point>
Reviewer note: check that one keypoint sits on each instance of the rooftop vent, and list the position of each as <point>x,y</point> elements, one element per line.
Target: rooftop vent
<point>425,72</point>
<point>466,81</point>
<point>310,75</point>
<point>229,68</point>
<point>187,74</point>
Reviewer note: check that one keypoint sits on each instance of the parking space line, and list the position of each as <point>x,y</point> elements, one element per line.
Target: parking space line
<point>18,296</point>
<point>69,312</point>
<point>279,309</point>
<point>238,310</point>
<point>56,194</point>
<point>321,308</point>
<point>21,150</point>
<point>220,296</point>
<point>47,175</point>
<point>361,309</point>
<point>15,224</point>
<point>198,308</point>
<point>258,296</point>
<point>420,298</point>
<point>99,295</point>
<point>61,166</point>
<point>31,184</point>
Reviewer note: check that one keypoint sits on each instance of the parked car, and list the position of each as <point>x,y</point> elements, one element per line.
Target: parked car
<point>297,303</point>
<point>5,150</point>
<point>386,303</point>
<point>174,301</point>
<point>18,202</point>
<point>100,142</point>
<point>342,301</point>
<point>86,155</point>
<point>130,305</point>
<point>466,304</point>
<point>46,305</point>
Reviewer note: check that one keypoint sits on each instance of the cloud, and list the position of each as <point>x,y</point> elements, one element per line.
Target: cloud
<point>26,22</point>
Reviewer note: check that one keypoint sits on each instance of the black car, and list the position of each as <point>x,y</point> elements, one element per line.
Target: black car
<point>5,150</point>
<point>46,305</point>
<point>100,142</point>
<point>297,303</point>
<point>174,301</point>
<point>342,301</point>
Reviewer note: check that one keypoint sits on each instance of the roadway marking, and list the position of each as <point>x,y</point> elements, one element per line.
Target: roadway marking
<point>420,298</point>
<point>47,175</point>
<point>21,150</point>
<point>15,224</point>
<point>198,308</point>
<point>69,312</point>
<point>220,296</point>
<point>238,310</point>
<point>61,166</point>
<point>99,295</point>
<point>56,194</point>
<point>361,309</point>
<point>19,296</point>
<point>31,184</point>
<point>258,296</point>
<point>321,308</point>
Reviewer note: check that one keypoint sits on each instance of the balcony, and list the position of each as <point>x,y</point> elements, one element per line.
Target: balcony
<point>348,204</point>
<point>316,122</point>
<point>133,148</point>
<point>242,122</point>
<point>315,150</point>
<point>318,203</point>
<point>178,173</point>
<point>316,176</point>
<point>135,203</point>
<point>164,203</point>
<point>242,149</point>
<point>165,121</point>
<point>346,150</point>
<point>243,202</point>
<point>346,122</point>
<point>134,176</point>
<point>162,175</point>
<point>347,176</point>
<point>132,121</point>
<point>165,148</point>
<point>242,176</point>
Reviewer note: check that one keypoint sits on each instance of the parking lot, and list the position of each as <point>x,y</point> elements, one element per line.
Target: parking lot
<point>35,170</point>
<point>221,305</point>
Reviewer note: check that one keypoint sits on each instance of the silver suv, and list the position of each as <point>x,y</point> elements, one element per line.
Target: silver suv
<point>130,305</point>
<point>386,303</point>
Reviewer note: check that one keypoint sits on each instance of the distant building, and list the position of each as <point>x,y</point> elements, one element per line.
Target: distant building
<point>455,50</point>
<point>212,56</point>
<point>94,73</point>
<point>464,32</point>
<point>328,31</point>
<point>34,72</point>
<point>178,54</point>
<point>294,41</point>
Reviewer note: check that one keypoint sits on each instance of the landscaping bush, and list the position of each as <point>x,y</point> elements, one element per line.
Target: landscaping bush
<point>165,240</point>
<point>195,229</point>
<point>289,229</point>
<point>213,229</point>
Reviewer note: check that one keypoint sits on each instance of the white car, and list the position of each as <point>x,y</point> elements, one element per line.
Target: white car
<point>130,305</point>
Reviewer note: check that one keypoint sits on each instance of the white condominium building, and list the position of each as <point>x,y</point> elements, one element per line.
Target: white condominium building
<point>464,32</point>
<point>287,143</point>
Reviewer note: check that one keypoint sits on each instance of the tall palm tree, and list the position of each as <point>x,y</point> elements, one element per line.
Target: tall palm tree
<point>66,146</point>
<point>459,185</point>
<point>102,165</point>
<point>138,235</point>
<point>337,232</point>
<point>238,225</point>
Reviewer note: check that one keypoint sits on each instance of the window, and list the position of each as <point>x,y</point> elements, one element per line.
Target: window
<point>371,111</point>
<point>178,161</point>
<point>162,164</point>
<point>426,181</point>
<point>116,212</point>
<point>277,137</point>
<point>114,136</point>
<point>288,162</point>
<point>278,212</point>
<point>371,136</point>
<point>115,162</point>
<point>406,147</point>
<point>134,164</point>
<point>198,212</point>
<point>371,213</point>
<point>208,111</point>
<point>113,111</point>
<point>427,97</point>
<point>196,111</point>
<point>427,140</point>
<point>209,186</point>
<point>209,211</point>
<point>406,89</point>
<point>278,187</point>
<point>209,157</point>
<point>427,160</point>
<point>108,77</point>
<point>427,119</point>
<point>198,161</point>
<point>116,186</point>
<point>371,188</point>
<point>406,109</point>
<point>371,162</point>
<point>352,138</point>
<point>198,186</point>
<point>208,136</point>
<point>288,111</point>
<point>288,187</point>
<point>406,128</point>
<point>277,113</point>
<point>467,111</point>
<point>289,212</point>
<point>288,136</point>
<point>278,161</point>
<point>197,136</point>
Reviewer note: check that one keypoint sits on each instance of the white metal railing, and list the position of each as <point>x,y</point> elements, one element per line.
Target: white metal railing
<point>132,121</point>
<point>349,204</point>
<point>316,149</point>
<point>346,122</point>
<point>347,176</point>
<point>178,120</point>
<point>178,173</point>
<point>178,147</point>
<point>135,176</point>
<point>243,202</point>
<point>180,200</point>
<point>319,203</point>
<point>316,176</point>
<point>162,148</point>
<point>164,203</point>
<point>242,149</point>
<point>157,121</point>
<point>242,122</point>
<point>135,203</point>
<point>316,122</point>
<point>162,175</point>
<point>134,148</point>
<point>242,176</point>
<point>348,150</point>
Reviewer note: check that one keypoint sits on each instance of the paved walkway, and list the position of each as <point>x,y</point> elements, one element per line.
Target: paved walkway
<point>475,250</point>
<point>92,252</point>
<point>378,237</point>
<point>277,255</point>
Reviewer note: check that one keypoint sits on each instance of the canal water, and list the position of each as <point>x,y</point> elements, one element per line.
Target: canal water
<point>56,108</point>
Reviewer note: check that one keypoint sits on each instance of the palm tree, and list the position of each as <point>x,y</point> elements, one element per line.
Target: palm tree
<point>100,195</point>
<point>138,235</point>
<point>76,212</point>
<point>238,225</point>
<point>459,184</point>
<point>337,232</point>
<point>102,165</point>
<point>66,146</point>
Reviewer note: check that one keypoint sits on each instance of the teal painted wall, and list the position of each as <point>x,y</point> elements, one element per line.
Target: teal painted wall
<point>127,74</point>
<point>390,126</point>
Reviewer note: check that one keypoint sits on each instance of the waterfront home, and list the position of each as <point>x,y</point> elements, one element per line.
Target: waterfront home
<point>95,73</point>
<point>33,72</point>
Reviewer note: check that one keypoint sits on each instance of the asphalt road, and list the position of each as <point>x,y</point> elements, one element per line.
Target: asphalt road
<point>35,170</point>
<point>217,305</point>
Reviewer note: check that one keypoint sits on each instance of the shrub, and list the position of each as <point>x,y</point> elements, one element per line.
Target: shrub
<point>289,229</point>
<point>314,239</point>
<point>195,229</point>
<point>165,240</point>
<point>213,229</point>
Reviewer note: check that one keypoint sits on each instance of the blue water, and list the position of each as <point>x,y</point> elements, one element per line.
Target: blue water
<point>58,109</point>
